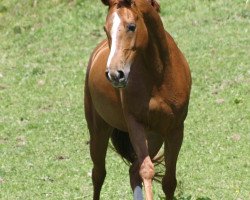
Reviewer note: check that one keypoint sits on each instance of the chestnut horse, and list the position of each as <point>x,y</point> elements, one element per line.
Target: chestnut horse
<point>136,93</point>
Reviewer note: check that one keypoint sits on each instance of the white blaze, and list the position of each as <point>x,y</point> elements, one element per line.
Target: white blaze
<point>114,31</point>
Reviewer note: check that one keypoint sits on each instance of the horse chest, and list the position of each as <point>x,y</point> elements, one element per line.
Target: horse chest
<point>161,115</point>
<point>154,113</point>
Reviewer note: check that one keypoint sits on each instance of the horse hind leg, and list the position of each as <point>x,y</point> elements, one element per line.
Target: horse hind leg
<point>123,146</point>
<point>173,144</point>
<point>99,137</point>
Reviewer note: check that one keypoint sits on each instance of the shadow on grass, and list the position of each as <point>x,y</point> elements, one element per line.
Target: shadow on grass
<point>190,198</point>
<point>187,198</point>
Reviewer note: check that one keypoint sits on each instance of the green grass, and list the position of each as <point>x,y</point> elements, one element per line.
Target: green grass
<point>44,50</point>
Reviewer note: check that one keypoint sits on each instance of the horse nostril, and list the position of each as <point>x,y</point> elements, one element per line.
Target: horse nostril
<point>116,77</point>
<point>107,75</point>
<point>121,74</point>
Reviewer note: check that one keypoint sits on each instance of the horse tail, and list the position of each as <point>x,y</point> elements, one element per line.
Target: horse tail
<point>123,146</point>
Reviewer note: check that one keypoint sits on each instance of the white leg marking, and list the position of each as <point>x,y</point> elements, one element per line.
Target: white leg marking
<point>114,31</point>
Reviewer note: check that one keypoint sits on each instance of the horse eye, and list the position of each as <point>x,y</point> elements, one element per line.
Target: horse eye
<point>131,27</point>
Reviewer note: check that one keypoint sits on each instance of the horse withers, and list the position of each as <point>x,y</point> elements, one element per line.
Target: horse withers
<point>137,90</point>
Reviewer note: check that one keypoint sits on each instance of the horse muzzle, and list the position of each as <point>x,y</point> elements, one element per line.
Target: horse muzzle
<point>117,78</point>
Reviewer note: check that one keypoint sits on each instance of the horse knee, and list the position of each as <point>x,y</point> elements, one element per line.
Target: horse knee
<point>147,171</point>
<point>169,186</point>
<point>98,176</point>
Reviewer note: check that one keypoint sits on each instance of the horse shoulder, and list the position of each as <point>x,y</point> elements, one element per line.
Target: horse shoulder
<point>96,52</point>
<point>177,81</point>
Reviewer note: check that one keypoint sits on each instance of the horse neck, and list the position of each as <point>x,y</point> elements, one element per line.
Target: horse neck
<point>156,54</point>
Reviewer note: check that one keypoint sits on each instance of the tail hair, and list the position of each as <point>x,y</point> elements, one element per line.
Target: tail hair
<point>123,146</point>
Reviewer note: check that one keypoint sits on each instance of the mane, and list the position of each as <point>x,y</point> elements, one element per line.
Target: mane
<point>157,33</point>
<point>153,3</point>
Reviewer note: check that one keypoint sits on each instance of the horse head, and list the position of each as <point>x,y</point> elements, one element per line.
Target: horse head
<point>127,36</point>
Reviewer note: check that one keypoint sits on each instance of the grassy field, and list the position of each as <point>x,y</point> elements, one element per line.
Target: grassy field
<point>44,49</point>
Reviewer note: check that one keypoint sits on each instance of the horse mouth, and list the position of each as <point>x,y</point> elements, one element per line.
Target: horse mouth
<point>120,84</point>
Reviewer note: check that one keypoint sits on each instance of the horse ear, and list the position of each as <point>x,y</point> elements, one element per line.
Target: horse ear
<point>110,2</point>
<point>106,2</point>
<point>156,5</point>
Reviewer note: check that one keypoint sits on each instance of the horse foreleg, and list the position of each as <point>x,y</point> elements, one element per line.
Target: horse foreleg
<point>145,166</point>
<point>98,148</point>
<point>147,174</point>
<point>135,181</point>
<point>172,147</point>
<point>144,171</point>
